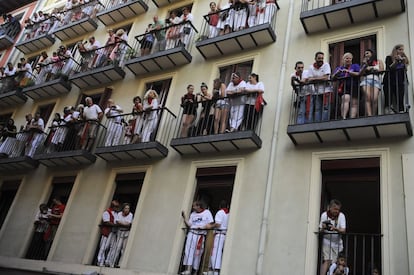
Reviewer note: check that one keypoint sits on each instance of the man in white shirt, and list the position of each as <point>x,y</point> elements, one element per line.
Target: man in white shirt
<point>97,59</point>
<point>36,128</point>
<point>92,114</point>
<point>200,219</point>
<point>319,74</point>
<point>235,91</point>
<point>114,127</point>
<point>332,225</point>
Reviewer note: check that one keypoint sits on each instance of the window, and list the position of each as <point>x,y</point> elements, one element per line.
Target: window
<point>99,98</point>
<point>45,229</point>
<point>162,87</point>
<point>45,111</point>
<point>355,46</point>
<point>128,189</point>
<point>356,184</point>
<point>8,191</point>
<point>244,69</point>
<point>4,118</point>
<point>214,186</point>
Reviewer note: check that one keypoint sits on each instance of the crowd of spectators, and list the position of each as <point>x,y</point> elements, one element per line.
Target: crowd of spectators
<point>228,108</point>
<point>352,90</point>
<point>237,15</point>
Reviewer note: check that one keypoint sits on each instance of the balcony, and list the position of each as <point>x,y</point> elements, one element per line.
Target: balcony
<point>161,3</point>
<point>361,250</point>
<point>319,118</point>
<point>8,32</point>
<point>317,15</point>
<point>70,144</point>
<point>78,21</point>
<point>129,138</point>
<point>11,94</point>
<point>209,249</point>
<point>99,67</point>
<point>38,36</point>
<point>118,11</point>
<point>162,49</point>
<point>198,131</point>
<point>50,80</point>
<point>16,153</point>
<point>230,33</point>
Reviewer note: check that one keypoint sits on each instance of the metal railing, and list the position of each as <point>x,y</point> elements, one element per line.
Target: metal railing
<point>26,143</point>
<point>361,250</point>
<point>109,4</point>
<point>202,251</point>
<point>219,115</point>
<point>10,29</point>
<point>110,247</point>
<point>348,98</point>
<point>237,19</point>
<point>55,68</point>
<point>308,5</point>
<point>133,128</point>
<point>87,10</point>
<point>72,135</point>
<point>39,29</point>
<point>111,54</point>
<point>169,37</point>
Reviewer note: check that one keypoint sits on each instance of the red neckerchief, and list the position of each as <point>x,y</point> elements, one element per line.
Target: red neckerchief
<point>149,100</point>
<point>238,82</point>
<point>225,209</point>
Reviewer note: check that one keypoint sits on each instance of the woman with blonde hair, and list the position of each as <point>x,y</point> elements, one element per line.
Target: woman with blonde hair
<point>348,85</point>
<point>151,114</point>
<point>395,79</point>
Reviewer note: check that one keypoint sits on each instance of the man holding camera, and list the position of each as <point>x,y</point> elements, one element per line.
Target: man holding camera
<point>332,224</point>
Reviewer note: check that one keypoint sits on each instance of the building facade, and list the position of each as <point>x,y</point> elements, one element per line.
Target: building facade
<point>277,174</point>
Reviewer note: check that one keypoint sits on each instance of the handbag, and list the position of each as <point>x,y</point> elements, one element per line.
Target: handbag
<point>258,106</point>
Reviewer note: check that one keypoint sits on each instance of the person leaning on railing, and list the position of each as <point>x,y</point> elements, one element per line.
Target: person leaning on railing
<point>395,79</point>
<point>200,220</point>
<point>348,85</point>
<point>332,224</point>
<point>371,81</point>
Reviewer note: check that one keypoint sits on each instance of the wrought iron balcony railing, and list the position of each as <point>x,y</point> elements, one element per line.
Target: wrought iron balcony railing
<point>231,30</point>
<point>346,108</point>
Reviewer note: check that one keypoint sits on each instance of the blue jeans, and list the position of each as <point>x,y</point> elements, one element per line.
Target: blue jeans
<point>302,116</point>
<point>322,107</point>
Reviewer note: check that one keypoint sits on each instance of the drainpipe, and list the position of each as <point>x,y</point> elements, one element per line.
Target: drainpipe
<point>273,148</point>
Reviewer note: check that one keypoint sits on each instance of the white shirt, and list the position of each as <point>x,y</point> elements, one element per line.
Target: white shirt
<point>198,220</point>
<point>251,100</point>
<point>114,113</point>
<point>325,69</point>
<point>238,100</point>
<point>339,222</point>
<point>222,218</point>
<point>92,112</point>
<point>9,72</point>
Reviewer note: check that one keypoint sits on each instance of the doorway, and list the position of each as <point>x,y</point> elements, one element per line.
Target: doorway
<point>356,184</point>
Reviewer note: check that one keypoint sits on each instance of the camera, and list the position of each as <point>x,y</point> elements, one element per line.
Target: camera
<point>328,225</point>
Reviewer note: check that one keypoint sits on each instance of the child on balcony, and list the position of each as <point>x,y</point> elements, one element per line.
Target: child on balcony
<point>339,267</point>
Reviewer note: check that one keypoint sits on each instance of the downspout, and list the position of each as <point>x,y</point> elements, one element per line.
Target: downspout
<point>273,148</point>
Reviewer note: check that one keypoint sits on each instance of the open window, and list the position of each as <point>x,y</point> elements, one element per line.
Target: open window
<point>356,184</point>
<point>8,191</point>
<point>127,190</point>
<point>214,184</point>
<point>46,225</point>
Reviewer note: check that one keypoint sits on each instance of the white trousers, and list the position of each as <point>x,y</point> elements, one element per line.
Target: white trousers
<point>194,248</point>
<point>106,243</point>
<point>113,133</point>
<point>217,252</point>
<point>236,115</point>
